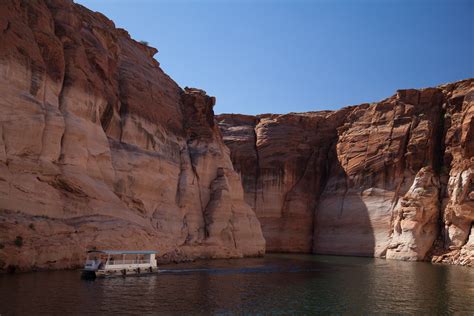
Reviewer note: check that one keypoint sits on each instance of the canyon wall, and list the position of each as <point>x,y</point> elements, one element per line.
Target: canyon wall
<point>390,179</point>
<point>99,148</point>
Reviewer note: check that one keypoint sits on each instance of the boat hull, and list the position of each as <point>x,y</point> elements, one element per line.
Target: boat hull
<point>89,274</point>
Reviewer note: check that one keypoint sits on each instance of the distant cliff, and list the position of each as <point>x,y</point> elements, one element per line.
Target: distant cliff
<point>100,148</point>
<point>391,179</point>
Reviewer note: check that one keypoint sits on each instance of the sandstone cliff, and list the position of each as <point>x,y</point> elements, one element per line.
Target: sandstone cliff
<point>100,148</point>
<point>390,179</point>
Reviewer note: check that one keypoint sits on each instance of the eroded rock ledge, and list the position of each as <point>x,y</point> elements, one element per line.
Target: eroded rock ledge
<point>100,148</point>
<point>392,179</point>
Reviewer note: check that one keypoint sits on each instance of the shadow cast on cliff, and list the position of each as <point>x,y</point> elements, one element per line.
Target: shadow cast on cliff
<point>342,221</point>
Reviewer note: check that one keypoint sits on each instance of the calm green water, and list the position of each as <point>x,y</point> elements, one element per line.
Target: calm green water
<point>276,284</point>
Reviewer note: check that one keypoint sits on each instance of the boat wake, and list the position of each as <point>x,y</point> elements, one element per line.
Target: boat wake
<point>266,269</point>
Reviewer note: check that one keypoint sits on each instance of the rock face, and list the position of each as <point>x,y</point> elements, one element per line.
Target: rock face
<point>283,161</point>
<point>415,224</point>
<point>100,148</point>
<point>390,179</point>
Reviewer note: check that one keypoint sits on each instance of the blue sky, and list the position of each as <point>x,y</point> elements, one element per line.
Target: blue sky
<point>292,56</point>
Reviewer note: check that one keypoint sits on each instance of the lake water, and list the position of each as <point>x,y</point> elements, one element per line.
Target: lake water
<point>277,284</point>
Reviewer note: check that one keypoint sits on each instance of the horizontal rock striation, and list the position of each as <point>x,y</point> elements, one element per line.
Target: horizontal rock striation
<point>100,148</point>
<point>389,179</point>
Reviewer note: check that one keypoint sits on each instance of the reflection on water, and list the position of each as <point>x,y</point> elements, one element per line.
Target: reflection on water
<point>276,284</point>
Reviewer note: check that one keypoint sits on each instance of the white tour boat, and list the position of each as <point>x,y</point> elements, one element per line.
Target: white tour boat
<point>102,263</point>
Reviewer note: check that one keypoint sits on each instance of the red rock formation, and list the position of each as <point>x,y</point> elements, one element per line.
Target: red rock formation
<point>367,180</point>
<point>100,148</point>
<point>283,160</point>
<point>457,174</point>
<point>415,218</point>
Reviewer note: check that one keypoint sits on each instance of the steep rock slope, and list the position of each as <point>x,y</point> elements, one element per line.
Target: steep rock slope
<point>389,179</point>
<point>100,148</point>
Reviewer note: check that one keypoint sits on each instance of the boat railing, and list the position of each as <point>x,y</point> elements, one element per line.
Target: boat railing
<point>117,262</point>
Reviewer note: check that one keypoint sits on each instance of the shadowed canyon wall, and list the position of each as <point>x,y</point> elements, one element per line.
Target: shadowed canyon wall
<point>100,148</point>
<point>390,179</point>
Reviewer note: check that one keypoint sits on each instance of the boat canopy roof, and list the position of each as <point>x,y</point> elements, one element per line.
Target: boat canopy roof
<point>124,252</point>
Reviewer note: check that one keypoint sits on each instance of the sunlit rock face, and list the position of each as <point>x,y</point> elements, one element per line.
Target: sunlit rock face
<point>389,179</point>
<point>457,175</point>
<point>415,221</point>
<point>100,148</point>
